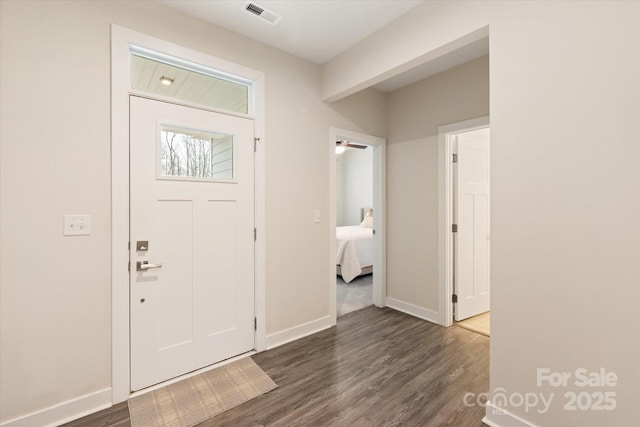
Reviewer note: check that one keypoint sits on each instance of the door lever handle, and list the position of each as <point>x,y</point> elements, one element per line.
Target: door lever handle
<point>144,265</point>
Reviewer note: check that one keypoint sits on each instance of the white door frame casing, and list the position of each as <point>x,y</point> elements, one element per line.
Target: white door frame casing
<point>445,214</point>
<point>121,39</point>
<point>379,146</point>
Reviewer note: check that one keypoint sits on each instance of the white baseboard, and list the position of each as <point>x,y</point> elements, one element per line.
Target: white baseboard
<point>297,332</point>
<point>498,417</point>
<point>65,411</point>
<point>413,310</point>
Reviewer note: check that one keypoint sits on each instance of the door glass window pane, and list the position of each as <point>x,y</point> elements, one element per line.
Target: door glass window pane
<point>171,81</point>
<point>193,154</point>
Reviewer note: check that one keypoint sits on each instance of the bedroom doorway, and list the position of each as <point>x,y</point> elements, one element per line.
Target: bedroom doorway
<point>354,227</point>
<point>356,221</point>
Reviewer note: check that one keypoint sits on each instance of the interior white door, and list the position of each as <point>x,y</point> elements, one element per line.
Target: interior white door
<point>192,222</point>
<point>472,210</point>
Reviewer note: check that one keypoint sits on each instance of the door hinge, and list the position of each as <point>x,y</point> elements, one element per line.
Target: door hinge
<point>455,158</point>
<point>454,298</point>
<point>255,144</point>
<point>454,228</point>
<point>255,323</point>
<point>255,234</point>
<point>129,266</point>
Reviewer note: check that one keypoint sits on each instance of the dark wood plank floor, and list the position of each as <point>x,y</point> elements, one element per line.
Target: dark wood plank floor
<point>377,367</point>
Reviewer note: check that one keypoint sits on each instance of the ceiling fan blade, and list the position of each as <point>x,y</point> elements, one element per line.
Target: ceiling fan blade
<point>350,145</point>
<point>362,147</point>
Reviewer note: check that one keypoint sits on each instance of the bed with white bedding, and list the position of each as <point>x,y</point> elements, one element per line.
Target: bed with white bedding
<point>355,249</point>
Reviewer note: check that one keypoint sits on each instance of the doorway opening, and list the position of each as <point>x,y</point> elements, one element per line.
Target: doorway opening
<point>356,225</point>
<point>122,89</point>
<point>464,224</point>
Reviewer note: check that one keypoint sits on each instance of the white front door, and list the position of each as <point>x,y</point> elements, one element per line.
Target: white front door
<point>472,211</point>
<point>191,239</point>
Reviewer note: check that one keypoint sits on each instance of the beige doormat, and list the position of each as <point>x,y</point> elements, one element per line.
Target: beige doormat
<point>480,323</point>
<point>198,398</point>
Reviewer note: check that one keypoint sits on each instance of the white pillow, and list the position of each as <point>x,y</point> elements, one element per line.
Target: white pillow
<point>368,220</point>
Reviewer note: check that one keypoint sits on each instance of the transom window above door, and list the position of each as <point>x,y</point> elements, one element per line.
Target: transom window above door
<point>163,76</point>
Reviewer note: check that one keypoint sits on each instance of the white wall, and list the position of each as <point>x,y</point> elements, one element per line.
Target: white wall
<point>354,179</point>
<point>565,251</point>
<point>414,114</point>
<point>55,149</point>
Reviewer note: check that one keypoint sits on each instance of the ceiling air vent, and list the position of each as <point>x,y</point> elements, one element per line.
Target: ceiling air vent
<point>262,12</point>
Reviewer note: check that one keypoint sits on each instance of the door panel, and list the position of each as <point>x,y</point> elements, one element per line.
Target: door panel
<point>192,199</point>
<point>219,259</point>
<point>177,276</point>
<point>472,245</point>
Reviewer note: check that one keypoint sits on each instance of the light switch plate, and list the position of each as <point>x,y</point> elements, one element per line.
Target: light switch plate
<point>316,217</point>
<point>77,225</point>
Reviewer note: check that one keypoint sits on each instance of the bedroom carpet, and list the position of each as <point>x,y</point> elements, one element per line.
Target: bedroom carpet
<point>354,295</point>
<point>480,323</point>
<point>198,398</point>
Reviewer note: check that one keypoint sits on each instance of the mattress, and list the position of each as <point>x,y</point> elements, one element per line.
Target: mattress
<point>354,250</point>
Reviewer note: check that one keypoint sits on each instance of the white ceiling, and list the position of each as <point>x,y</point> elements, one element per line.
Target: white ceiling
<point>319,30</point>
<point>316,30</point>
